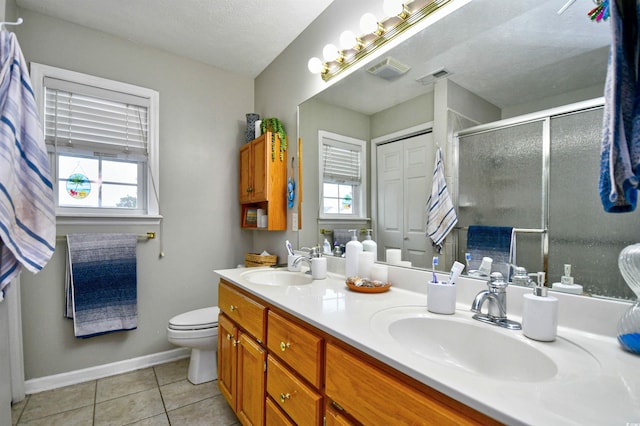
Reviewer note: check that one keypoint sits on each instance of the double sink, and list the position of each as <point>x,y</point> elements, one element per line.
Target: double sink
<point>459,342</point>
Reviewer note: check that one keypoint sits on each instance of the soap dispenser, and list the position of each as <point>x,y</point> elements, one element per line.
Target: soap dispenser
<point>326,247</point>
<point>566,283</point>
<point>540,313</point>
<point>353,248</point>
<point>369,245</point>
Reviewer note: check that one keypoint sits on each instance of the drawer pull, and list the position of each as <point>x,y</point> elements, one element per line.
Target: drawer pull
<point>233,308</point>
<point>284,397</point>
<point>284,346</point>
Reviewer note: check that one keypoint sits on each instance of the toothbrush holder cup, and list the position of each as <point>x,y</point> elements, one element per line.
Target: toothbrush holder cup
<point>441,298</point>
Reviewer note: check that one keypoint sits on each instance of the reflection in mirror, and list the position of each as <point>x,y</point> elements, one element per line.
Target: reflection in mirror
<point>504,59</point>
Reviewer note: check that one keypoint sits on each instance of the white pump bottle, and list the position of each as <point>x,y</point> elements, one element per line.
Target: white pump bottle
<point>369,245</point>
<point>353,248</point>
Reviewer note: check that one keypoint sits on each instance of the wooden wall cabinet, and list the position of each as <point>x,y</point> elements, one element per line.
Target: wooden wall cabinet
<point>263,182</point>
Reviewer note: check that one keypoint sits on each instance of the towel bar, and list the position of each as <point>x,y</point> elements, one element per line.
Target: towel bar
<point>516,230</point>
<point>146,236</point>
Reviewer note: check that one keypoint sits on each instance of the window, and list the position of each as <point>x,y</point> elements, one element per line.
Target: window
<point>342,176</point>
<point>102,140</point>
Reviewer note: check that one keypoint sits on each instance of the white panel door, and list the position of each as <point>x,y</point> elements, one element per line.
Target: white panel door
<point>404,170</point>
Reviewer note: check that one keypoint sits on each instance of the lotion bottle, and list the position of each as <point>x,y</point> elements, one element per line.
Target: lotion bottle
<point>369,245</point>
<point>540,313</point>
<point>566,283</point>
<point>352,250</point>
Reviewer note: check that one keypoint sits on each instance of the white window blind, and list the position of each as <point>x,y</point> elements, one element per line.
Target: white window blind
<point>341,162</point>
<point>95,118</point>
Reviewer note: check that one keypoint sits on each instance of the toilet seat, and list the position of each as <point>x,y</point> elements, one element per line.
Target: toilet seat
<point>198,319</point>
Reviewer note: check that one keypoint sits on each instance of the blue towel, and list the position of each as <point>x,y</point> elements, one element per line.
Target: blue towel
<point>496,242</point>
<point>101,283</point>
<point>620,153</point>
<point>441,215</point>
<point>27,211</point>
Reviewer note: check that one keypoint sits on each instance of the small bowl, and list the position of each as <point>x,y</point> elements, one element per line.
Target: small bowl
<point>362,289</point>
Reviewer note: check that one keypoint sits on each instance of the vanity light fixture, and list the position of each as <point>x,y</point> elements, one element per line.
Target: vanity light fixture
<point>403,15</point>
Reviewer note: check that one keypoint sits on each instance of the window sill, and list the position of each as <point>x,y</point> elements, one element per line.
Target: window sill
<point>96,219</point>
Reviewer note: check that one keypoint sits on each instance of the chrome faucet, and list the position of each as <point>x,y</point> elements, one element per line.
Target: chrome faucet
<point>496,298</point>
<point>313,252</point>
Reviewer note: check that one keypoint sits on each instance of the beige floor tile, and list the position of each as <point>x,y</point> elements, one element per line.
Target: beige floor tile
<point>59,400</point>
<point>172,371</point>
<point>209,412</point>
<point>159,420</point>
<point>129,409</point>
<point>78,417</point>
<point>179,394</point>
<point>16,410</point>
<point>125,384</point>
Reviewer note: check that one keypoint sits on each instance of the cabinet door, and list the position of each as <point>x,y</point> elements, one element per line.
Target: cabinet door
<point>227,338</point>
<point>261,158</point>
<point>251,392</point>
<point>245,173</point>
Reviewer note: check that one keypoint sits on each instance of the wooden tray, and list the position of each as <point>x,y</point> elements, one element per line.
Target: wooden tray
<point>381,289</point>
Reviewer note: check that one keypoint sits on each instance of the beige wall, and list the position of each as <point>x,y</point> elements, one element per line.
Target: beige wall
<point>201,128</point>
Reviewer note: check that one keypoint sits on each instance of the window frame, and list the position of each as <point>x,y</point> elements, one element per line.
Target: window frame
<point>360,195</point>
<point>79,215</point>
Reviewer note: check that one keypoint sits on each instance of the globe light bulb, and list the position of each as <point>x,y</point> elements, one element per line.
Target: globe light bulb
<point>348,40</point>
<point>392,7</point>
<point>369,23</point>
<point>330,53</point>
<point>315,65</point>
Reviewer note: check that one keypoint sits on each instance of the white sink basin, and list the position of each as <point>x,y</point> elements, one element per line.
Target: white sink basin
<point>276,277</point>
<point>463,343</point>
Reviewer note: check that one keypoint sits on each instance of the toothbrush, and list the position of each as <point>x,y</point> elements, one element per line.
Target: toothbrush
<point>434,263</point>
<point>456,270</point>
<point>289,248</point>
<point>467,257</point>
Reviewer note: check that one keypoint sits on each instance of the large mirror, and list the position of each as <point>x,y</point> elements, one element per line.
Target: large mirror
<point>489,61</point>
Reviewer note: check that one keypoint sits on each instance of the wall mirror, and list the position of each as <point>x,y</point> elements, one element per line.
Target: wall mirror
<point>489,61</point>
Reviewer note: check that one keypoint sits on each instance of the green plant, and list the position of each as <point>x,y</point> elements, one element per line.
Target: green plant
<point>274,125</point>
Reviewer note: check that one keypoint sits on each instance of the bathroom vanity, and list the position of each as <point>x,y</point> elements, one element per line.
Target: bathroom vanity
<point>298,352</point>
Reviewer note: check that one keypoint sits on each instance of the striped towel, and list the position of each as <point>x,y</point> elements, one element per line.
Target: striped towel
<point>27,211</point>
<point>441,216</point>
<point>620,153</point>
<point>101,283</point>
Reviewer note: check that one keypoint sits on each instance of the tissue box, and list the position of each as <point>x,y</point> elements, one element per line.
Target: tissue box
<point>256,259</point>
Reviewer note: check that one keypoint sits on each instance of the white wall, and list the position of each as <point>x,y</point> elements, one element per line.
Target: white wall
<point>202,120</point>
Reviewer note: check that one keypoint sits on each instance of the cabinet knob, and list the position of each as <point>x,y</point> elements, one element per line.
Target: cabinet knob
<point>249,189</point>
<point>233,308</point>
<point>284,346</point>
<point>236,342</point>
<point>229,336</point>
<point>284,397</point>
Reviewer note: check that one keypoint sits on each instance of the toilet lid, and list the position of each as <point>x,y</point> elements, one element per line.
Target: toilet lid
<point>196,320</point>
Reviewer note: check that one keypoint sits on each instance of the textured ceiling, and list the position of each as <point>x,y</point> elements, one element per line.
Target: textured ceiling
<point>238,36</point>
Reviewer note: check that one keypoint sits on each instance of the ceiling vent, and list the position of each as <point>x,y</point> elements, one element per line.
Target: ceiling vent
<point>388,69</point>
<point>433,76</point>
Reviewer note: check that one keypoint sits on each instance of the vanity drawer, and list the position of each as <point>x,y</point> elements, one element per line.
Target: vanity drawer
<point>247,313</point>
<point>374,396</point>
<point>274,416</point>
<point>299,401</point>
<point>296,346</point>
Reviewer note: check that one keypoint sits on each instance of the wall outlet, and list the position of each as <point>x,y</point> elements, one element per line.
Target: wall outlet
<point>294,221</point>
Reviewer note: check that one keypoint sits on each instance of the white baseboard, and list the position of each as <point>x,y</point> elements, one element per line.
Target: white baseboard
<point>92,373</point>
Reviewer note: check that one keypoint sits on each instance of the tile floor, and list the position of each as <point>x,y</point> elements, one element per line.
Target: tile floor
<point>159,395</point>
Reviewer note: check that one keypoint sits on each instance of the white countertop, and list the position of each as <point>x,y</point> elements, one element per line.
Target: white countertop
<point>608,393</point>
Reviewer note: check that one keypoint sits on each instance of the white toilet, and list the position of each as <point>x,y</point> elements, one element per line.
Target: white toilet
<point>198,330</point>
